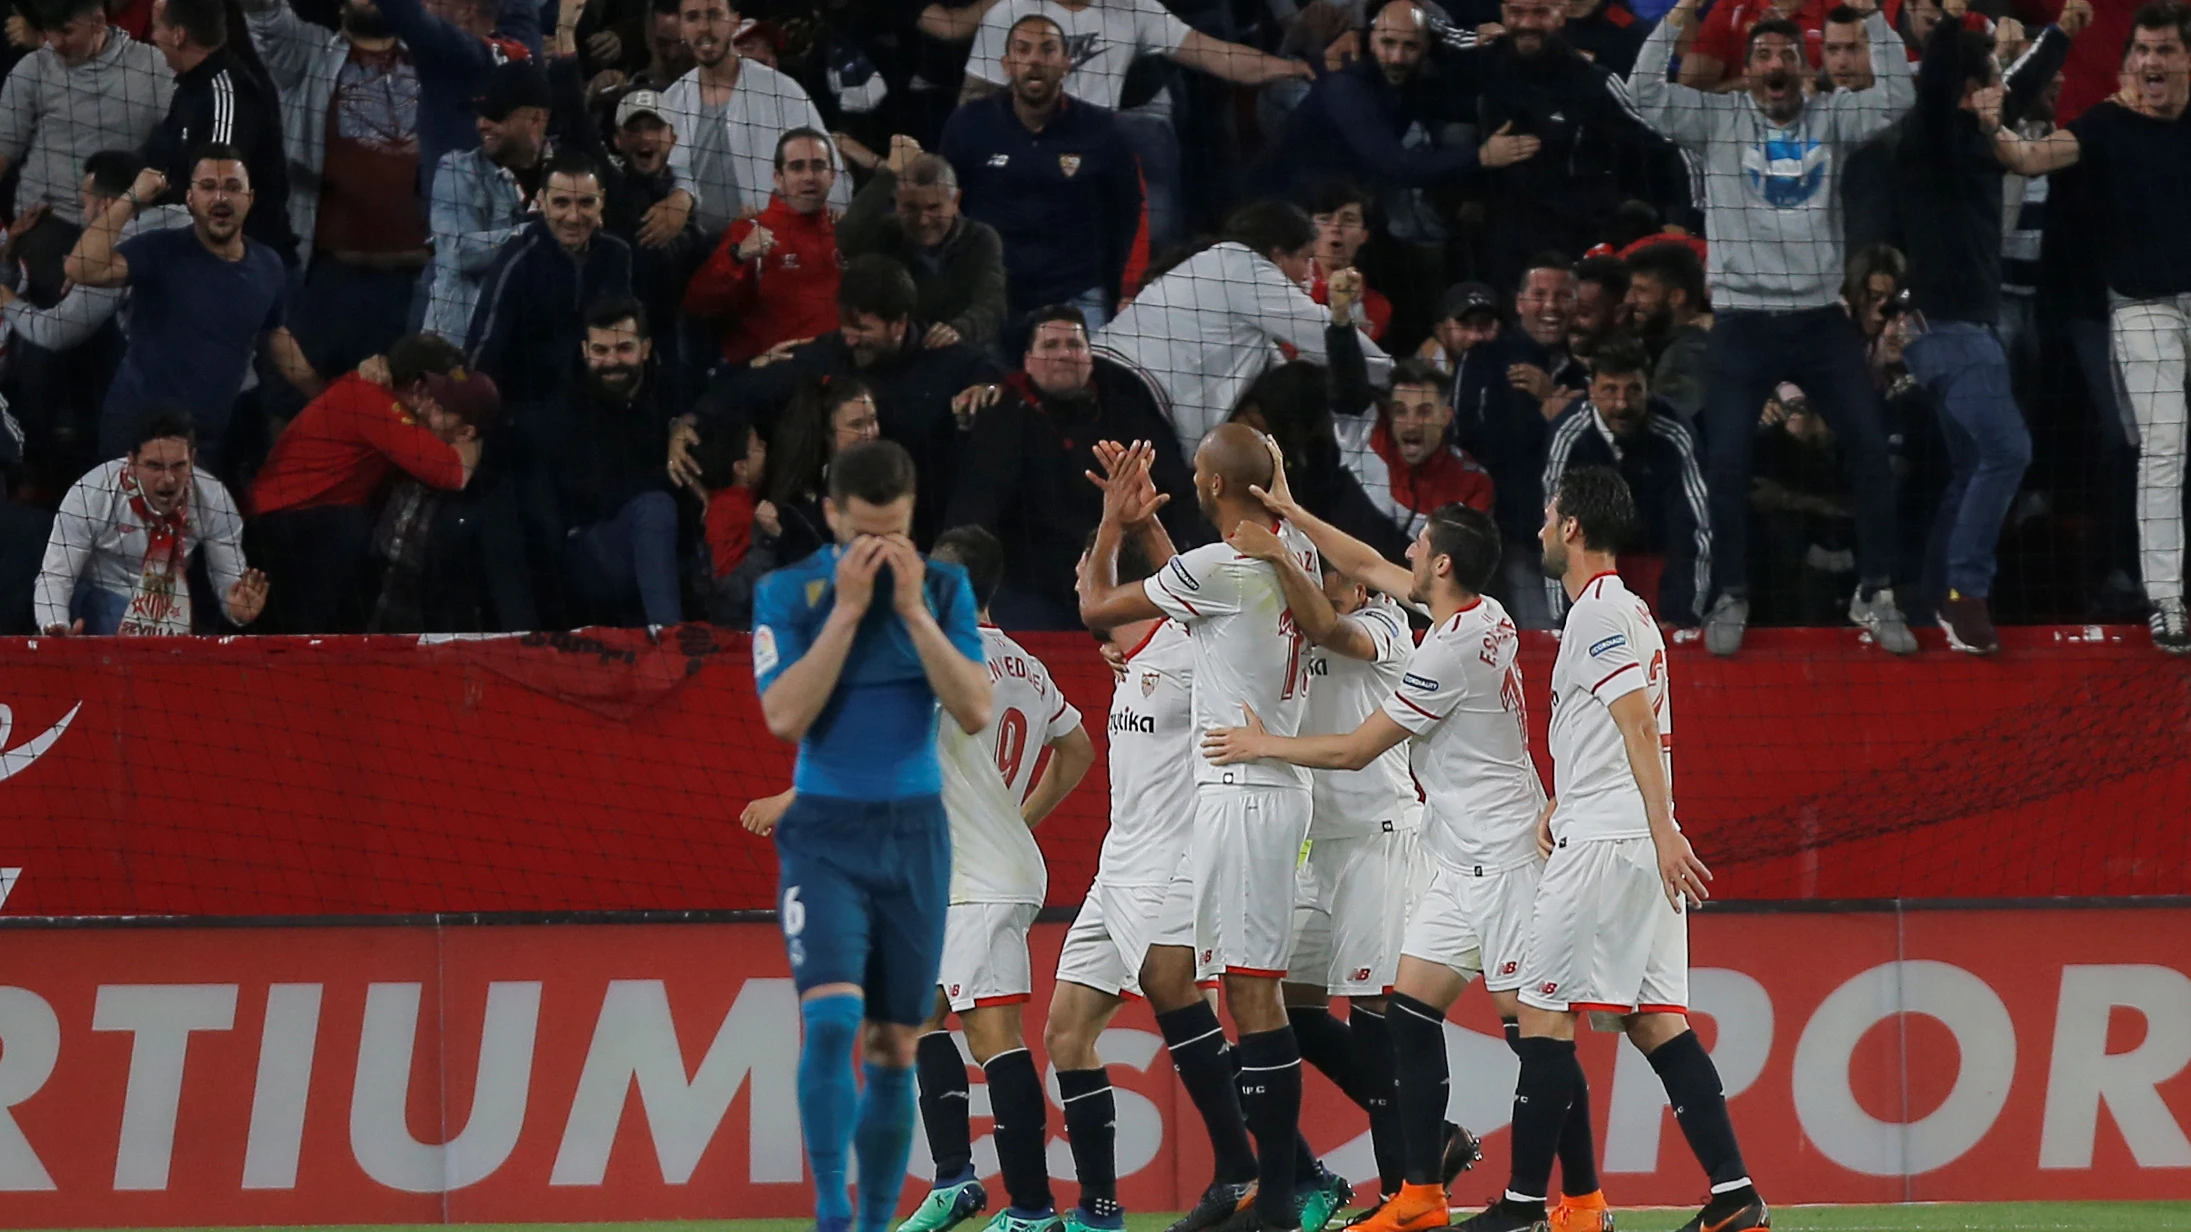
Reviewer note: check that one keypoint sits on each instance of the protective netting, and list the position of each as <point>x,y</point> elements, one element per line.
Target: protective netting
<point>491,316</point>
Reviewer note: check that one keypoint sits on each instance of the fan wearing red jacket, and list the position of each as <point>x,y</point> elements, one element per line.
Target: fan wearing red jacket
<point>315,499</point>
<point>773,278</point>
<point>1402,456</point>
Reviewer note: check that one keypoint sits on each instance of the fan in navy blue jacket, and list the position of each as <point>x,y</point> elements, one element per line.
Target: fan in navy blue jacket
<point>531,315</point>
<point>1053,175</point>
<point>1620,427</point>
<point>1351,124</point>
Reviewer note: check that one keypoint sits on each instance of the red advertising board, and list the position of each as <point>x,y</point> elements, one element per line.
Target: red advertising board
<point>306,1075</point>
<point>604,771</point>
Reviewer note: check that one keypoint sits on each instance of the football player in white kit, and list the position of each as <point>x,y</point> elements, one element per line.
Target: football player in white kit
<point>1358,875</point>
<point>1609,935</point>
<point>1459,707</point>
<point>997,886</point>
<point>1134,934</point>
<point>1250,819</point>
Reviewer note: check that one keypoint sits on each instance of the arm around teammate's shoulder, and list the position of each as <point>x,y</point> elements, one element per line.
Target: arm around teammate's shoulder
<point>1352,750</point>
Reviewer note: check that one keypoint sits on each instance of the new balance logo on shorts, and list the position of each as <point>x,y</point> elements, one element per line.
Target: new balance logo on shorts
<point>1508,968</point>
<point>1360,974</point>
<point>1547,988</point>
<point>954,990</point>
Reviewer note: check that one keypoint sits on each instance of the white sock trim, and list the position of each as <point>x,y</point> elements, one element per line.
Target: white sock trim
<point>1731,1186</point>
<point>1511,1196</point>
<point>1105,1089</point>
<point>1000,1056</point>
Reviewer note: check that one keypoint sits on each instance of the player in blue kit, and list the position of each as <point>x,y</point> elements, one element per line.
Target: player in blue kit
<point>853,649</point>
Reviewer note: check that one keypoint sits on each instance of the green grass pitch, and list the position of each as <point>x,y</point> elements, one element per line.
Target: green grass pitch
<point>1974,1217</point>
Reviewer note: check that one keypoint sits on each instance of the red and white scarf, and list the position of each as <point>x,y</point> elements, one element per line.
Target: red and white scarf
<point>160,604</point>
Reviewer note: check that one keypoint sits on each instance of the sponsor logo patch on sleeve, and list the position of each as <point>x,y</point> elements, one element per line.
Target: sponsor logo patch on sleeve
<point>1181,572</point>
<point>1422,683</point>
<point>1604,644</point>
<point>764,650</point>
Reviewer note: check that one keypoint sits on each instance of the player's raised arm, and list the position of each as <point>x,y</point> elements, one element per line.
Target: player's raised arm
<point>793,696</point>
<point>1312,611</point>
<point>1104,603</point>
<point>1226,746</point>
<point>960,681</point>
<point>1353,557</point>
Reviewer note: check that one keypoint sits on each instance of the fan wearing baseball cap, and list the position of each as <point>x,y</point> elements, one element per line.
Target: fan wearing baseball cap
<point>420,410</point>
<point>639,182</point>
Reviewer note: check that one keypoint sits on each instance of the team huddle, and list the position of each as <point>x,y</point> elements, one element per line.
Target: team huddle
<point>1305,805</point>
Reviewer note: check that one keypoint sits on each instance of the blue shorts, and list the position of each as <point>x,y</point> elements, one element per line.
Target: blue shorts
<point>862,888</point>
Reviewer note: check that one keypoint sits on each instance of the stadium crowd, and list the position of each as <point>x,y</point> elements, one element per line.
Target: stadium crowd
<point>455,315</point>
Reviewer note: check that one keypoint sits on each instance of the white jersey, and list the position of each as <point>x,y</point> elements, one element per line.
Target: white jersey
<point>994,857</point>
<point>1153,740</point>
<point>1343,691</point>
<point>1247,652</point>
<point>1103,39</point>
<point>1462,699</point>
<point>1610,648</point>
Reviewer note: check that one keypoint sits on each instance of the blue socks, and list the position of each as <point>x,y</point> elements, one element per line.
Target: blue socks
<point>884,1138</point>
<point>826,1100</point>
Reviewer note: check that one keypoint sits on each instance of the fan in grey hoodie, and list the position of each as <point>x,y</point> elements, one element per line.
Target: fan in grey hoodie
<point>89,88</point>
<point>1769,160</point>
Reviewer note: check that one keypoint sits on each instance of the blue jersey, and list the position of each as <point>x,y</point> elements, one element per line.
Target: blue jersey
<point>876,739</point>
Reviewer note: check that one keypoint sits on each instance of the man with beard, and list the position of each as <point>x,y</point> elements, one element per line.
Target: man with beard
<point>731,115</point>
<point>123,539</point>
<point>910,213</point>
<point>1022,474</point>
<point>1056,179</point>
<point>220,99</point>
<point>1665,302</point>
<point>619,521</point>
<point>349,119</point>
<point>1619,427</point>
<point>1354,122</point>
<point>484,196</point>
<point>1770,160</point>
<point>1594,151</point>
<point>879,339</point>
<point>528,323</point>
<point>201,302</point>
<point>1601,303</point>
<point>773,278</point>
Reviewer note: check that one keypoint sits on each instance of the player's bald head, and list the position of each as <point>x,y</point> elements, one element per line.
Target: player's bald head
<point>1235,453</point>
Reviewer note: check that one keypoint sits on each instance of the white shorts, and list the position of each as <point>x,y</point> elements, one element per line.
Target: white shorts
<point>1111,935</point>
<point>1246,843</point>
<point>1474,922</point>
<point>1350,912</point>
<point>1603,938</point>
<point>985,955</point>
